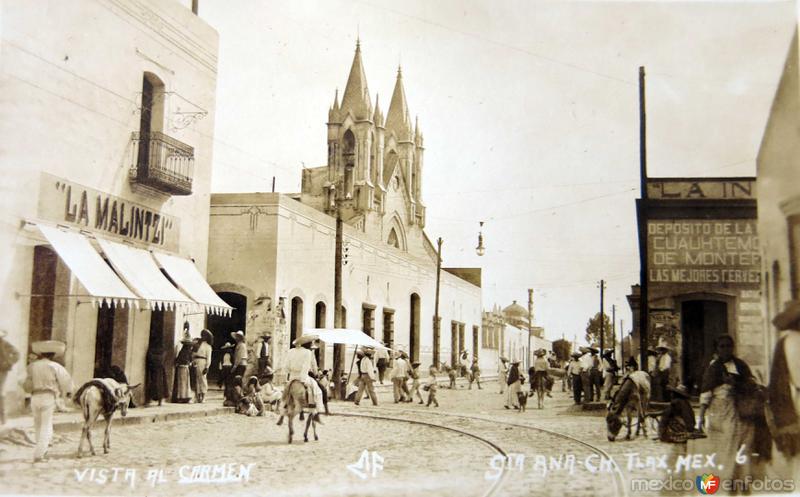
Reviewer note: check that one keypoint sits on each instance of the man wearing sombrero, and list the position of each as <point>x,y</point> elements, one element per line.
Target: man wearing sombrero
<point>662,374</point>
<point>239,354</point>
<point>47,380</point>
<point>301,365</point>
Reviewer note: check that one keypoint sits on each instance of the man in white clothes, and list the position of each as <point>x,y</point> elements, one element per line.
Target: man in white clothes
<point>47,381</point>
<point>301,363</point>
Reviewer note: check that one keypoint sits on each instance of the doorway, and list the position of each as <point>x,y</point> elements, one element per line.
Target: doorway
<point>104,342</point>
<point>475,344</point>
<point>701,322</point>
<point>413,332</point>
<point>319,322</point>
<point>222,327</point>
<point>296,322</point>
<point>388,327</point>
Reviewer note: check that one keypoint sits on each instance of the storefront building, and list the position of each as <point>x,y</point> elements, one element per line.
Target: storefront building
<point>700,245</point>
<point>272,254</point>
<point>107,141</point>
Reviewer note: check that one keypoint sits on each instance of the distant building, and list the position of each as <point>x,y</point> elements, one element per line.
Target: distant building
<point>272,255</point>
<point>506,331</point>
<point>703,270</point>
<point>108,130</point>
<point>779,196</point>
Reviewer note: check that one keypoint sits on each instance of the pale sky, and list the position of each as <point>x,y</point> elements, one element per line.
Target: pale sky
<point>530,116</point>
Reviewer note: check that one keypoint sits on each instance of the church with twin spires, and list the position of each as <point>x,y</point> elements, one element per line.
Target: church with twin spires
<point>374,172</point>
<point>272,255</point>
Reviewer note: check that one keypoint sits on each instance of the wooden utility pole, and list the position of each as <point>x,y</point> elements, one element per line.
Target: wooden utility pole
<point>602,316</point>
<point>613,328</point>
<point>530,327</point>
<point>437,321</point>
<point>338,349</point>
<point>641,211</point>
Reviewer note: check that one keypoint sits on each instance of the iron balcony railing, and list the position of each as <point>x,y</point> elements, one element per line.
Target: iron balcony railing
<point>162,163</point>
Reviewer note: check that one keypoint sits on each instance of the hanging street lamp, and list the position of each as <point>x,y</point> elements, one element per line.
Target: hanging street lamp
<point>480,250</point>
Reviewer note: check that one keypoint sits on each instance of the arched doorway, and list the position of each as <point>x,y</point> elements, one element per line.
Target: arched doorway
<point>222,327</point>
<point>296,322</point>
<point>413,332</point>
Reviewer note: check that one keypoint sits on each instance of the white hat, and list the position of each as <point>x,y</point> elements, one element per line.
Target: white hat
<point>238,333</point>
<point>48,346</point>
<point>303,339</point>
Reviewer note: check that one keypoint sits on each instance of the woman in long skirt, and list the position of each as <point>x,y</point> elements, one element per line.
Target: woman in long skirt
<point>729,433</point>
<point>181,391</point>
<point>514,386</point>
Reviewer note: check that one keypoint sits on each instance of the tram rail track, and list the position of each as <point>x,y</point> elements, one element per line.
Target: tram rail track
<point>397,414</point>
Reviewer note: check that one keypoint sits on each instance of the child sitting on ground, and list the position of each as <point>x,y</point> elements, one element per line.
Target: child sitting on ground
<point>252,394</point>
<point>270,394</point>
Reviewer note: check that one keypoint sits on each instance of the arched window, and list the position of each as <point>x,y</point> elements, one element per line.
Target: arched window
<point>349,158</point>
<point>390,162</point>
<point>393,241</point>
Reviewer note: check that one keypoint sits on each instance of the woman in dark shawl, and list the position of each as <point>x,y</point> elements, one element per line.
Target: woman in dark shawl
<point>513,386</point>
<point>729,432</point>
<point>181,391</point>
<point>156,379</point>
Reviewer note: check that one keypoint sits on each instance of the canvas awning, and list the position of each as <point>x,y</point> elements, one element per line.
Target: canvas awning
<point>345,336</point>
<point>82,259</point>
<point>185,274</point>
<point>138,269</point>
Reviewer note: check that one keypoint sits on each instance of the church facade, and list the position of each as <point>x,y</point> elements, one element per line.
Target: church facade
<point>271,255</point>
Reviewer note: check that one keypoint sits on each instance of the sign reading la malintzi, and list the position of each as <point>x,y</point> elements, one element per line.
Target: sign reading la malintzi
<point>722,251</point>
<point>63,201</point>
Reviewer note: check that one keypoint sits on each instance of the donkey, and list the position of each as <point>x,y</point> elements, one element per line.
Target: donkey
<point>101,396</point>
<point>632,398</point>
<point>538,386</point>
<point>295,400</point>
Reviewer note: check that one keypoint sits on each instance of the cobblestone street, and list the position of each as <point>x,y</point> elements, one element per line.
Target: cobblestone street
<point>250,456</point>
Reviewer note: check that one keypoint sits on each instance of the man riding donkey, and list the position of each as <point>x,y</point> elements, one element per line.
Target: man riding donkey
<point>301,364</point>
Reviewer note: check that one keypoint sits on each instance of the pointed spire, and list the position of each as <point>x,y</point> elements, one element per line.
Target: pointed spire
<point>397,118</point>
<point>333,112</point>
<point>356,93</point>
<point>377,117</point>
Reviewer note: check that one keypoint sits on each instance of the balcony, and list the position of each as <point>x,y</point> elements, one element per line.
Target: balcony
<point>161,163</point>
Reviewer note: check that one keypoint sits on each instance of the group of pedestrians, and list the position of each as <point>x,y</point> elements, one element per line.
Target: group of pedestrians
<point>591,376</point>
<point>402,371</point>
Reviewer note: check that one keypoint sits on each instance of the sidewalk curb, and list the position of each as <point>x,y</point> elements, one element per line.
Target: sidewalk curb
<point>77,425</point>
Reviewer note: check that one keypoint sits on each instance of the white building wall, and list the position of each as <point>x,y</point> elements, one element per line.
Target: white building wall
<point>303,266</point>
<point>72,81</point>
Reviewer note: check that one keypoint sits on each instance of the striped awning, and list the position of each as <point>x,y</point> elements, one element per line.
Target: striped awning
<point>100,281</point>
<point>185,274</point>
